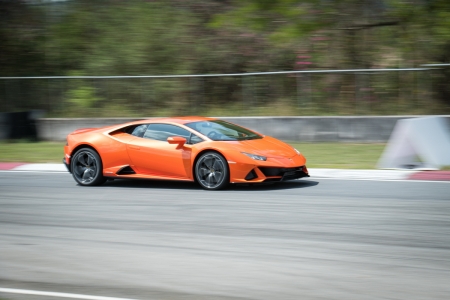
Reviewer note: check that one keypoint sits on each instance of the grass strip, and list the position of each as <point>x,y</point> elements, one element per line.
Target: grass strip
<point>40,152</point>
<point>340,155</point>
<point>318,155</point>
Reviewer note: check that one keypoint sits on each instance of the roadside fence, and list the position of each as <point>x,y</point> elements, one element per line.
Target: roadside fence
<point>304,92</point>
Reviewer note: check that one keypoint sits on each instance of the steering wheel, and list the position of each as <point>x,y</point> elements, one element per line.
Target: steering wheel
<point>213,135</point>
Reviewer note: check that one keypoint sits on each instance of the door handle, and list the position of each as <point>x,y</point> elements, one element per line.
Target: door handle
<point>135,147</point>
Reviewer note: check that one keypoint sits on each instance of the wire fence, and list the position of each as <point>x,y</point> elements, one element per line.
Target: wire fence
<point>306,92</point>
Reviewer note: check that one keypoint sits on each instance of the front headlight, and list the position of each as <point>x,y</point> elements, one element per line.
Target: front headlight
<point>255,157</point>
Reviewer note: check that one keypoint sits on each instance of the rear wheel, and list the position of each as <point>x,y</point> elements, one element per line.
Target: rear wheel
<point>87,168</point>
<point>211,171</point>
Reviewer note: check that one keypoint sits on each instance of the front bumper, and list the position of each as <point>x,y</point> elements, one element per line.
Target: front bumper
<point>274,169</point>
<point>255,174</point>
<point>283,174</point>
<point>67,165</point>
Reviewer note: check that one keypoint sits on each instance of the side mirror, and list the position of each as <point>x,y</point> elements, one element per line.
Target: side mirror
<point>176,140</point>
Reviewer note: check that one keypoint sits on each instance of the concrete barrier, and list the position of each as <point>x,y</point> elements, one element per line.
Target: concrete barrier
<point>323,129</point>
<point>56,129</point>
<point>358,129</point>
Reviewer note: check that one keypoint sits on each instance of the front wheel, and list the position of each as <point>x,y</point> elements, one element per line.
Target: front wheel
<point>211,171</point>
<point>87,168</point>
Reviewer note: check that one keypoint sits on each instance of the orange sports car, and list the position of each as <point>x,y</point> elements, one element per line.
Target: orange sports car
<point>209,151</point>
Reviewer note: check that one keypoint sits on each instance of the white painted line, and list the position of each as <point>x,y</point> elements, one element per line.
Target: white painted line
<point>41,167</point>
<point>378,179</point>
<point>361,174</point>
<point>61,295</point>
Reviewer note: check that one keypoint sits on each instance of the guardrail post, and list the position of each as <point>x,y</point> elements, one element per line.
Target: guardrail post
<point>306,89</point>
<point>299,100</point>
<point>49,93</point>
<point>48,96</point>
<point>254,100</point>
<point>431,87</point>
<point>151,101</point>
<point>142,94</point>
<point>202,83</point>
<point>15,95</point>
<point>355,84</point>
<point>243,93</point>
<point>191,97</point>
<point>61,94</point>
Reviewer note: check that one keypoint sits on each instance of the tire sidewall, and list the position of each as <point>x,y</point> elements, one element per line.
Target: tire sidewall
<point>99,179</point>
<point>226,178</point>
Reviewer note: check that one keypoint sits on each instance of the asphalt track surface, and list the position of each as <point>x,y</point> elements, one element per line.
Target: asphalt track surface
<point>306,239</point>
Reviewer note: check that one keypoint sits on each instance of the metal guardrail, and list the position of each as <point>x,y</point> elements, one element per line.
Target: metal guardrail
<point>436,65</point>
<point>351,91</point>
<point>230,74</point>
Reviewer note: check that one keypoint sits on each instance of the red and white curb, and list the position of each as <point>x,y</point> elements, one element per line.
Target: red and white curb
<point>33,167</point>
<point>315,173</point>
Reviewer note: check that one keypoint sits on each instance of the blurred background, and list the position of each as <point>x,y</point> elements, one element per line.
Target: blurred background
<point>378,234</point>
<point>85,58</point>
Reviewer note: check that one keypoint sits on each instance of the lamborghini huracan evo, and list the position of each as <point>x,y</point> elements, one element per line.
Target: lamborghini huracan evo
<point>209,151</point>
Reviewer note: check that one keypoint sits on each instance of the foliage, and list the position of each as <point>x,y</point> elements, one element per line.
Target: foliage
<point>21,35</point>
<point>83,96</point>
<point>209,36</point>
<point>357,34</point>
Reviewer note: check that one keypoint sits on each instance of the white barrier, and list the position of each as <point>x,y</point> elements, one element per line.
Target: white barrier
<point>418,143</point>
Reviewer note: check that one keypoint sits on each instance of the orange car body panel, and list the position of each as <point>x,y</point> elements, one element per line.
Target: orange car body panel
<point>154,159</point>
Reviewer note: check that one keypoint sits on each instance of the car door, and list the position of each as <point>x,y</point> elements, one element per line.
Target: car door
<point>151,154</point>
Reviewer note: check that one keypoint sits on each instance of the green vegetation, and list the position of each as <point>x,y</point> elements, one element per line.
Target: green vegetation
<point>165,37</point>
<point>320,155</point>
<point>41,152</point>
<point>340,155</point>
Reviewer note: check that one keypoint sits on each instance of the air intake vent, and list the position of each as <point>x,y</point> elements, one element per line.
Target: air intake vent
<point>270,171</point>
<point>126,171</point>
<point>251,175</point>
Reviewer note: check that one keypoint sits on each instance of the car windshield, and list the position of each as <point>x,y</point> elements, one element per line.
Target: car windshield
<point>218,130</point>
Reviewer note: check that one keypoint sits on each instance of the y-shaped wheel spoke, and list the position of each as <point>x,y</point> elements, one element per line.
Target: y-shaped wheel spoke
<point>85,167</point>
<point>213,161</point>
<point>209,179</point>
<point>218,176</point>
<point>208,162</point>
<point>203,172</point>
<point>81,159</point>
<point>210,170</point>
<point>217,165</point>
<point>90,161</point>
<point>86,174</point>
<point>79,170</point>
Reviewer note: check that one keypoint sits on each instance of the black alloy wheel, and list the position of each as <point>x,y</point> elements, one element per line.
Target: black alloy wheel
<point>87,168</point>
<point>211,171</point>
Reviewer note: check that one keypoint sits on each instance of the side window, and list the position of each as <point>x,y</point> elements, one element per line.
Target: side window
<point>195,139</point>
<point>139,130</point>
<point>161,132</point>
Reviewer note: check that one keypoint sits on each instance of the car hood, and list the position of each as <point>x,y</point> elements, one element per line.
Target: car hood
<point>267,146</point>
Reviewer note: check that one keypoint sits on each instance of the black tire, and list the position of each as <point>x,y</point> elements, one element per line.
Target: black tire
<point>87,167</point>
<point>211,171</point>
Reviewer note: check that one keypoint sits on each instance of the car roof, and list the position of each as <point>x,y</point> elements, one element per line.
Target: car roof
<point>179,120</point>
